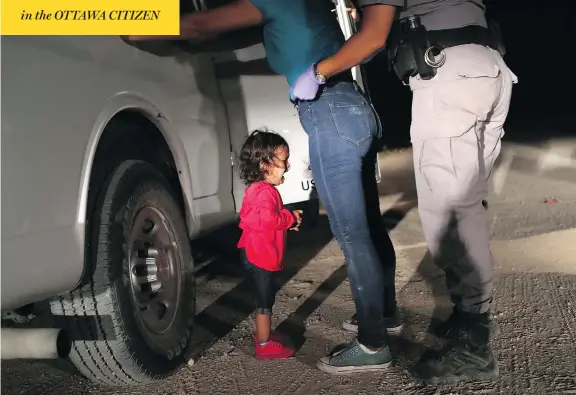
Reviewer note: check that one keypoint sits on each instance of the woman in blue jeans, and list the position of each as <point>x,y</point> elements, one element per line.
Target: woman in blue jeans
<point>342,129</point>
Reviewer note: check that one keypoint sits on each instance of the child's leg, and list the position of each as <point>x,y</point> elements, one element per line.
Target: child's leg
<point>263,324</point>
<point>267,345</point>
<point>265,295</point>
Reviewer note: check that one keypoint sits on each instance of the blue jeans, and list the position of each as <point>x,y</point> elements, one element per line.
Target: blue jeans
<point>343,129</point>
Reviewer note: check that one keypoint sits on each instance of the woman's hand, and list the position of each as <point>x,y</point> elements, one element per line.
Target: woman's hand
<point>306,85</point>
<point>354,14</point>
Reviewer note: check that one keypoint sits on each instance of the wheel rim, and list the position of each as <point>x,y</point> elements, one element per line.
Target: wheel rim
<point>155,274</point>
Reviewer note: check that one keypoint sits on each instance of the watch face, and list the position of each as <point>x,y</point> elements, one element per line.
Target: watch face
<point>321,78</point>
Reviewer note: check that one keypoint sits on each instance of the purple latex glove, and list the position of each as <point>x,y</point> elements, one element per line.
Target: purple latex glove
<point>306,85</point>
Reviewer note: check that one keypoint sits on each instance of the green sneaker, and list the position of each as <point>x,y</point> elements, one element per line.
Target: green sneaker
<point>354,358</point>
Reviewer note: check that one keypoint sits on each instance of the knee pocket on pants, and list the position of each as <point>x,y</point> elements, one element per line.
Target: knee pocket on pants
<point>352,120</point>
<point>448,169</point>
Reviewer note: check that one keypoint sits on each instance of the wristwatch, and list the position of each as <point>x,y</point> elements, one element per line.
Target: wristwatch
<point>319,76</point>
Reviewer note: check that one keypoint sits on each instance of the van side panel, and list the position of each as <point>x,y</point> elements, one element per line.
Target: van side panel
<point>54,91</point>
<point>256,97</point>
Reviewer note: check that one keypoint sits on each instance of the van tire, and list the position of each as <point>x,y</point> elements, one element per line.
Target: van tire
<point>112,342</point>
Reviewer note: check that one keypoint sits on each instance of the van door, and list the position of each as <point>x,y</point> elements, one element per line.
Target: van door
<point>257,98</point>
<point>199,119</point>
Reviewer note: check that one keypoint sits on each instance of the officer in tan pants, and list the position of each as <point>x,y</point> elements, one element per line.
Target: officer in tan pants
<point>445,52</point>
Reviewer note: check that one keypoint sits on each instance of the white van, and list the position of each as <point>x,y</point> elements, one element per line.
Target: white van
<point>114,156</point>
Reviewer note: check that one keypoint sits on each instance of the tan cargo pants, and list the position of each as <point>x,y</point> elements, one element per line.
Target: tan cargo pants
<point>457,125</point>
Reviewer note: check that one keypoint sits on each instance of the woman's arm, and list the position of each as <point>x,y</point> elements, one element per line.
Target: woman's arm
<point>237,15</point>
<point>377,19</point>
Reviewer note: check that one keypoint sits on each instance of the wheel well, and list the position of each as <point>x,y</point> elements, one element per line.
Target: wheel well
<point>131,134</point>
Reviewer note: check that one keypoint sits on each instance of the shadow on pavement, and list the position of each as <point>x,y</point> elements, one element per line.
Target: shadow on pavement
<point>397,173</point>
<point>294,325</point>
<point>233,307</point>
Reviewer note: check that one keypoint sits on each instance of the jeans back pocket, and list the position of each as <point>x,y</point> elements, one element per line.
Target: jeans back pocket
<point>353,119</point>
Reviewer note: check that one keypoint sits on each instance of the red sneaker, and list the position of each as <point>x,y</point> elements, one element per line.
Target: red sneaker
<point>273,336</point>
<point>273,350</point>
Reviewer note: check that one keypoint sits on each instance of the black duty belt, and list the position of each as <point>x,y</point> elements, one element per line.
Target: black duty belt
<point>465,35</point>
<point>413,50</point>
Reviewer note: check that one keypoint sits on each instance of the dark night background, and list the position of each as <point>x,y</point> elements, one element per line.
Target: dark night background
<point>540,42</point>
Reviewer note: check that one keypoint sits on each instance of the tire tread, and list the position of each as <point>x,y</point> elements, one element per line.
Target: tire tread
<point>103,359</point>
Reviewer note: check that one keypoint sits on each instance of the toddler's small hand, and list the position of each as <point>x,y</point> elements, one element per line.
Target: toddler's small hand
<point>298,215</point>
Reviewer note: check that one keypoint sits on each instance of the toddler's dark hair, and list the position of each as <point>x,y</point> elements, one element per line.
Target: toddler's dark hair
<point>258,148</point>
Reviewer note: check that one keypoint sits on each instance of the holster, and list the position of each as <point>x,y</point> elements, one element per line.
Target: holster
<point>407,47</point>
<point>406,54</point>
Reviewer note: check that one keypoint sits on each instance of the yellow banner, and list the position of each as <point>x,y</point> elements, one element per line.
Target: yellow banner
<point>90,17</point>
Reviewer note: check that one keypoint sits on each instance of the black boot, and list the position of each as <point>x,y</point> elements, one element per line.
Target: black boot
<point>468,355</point>
<point>449,329</point>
